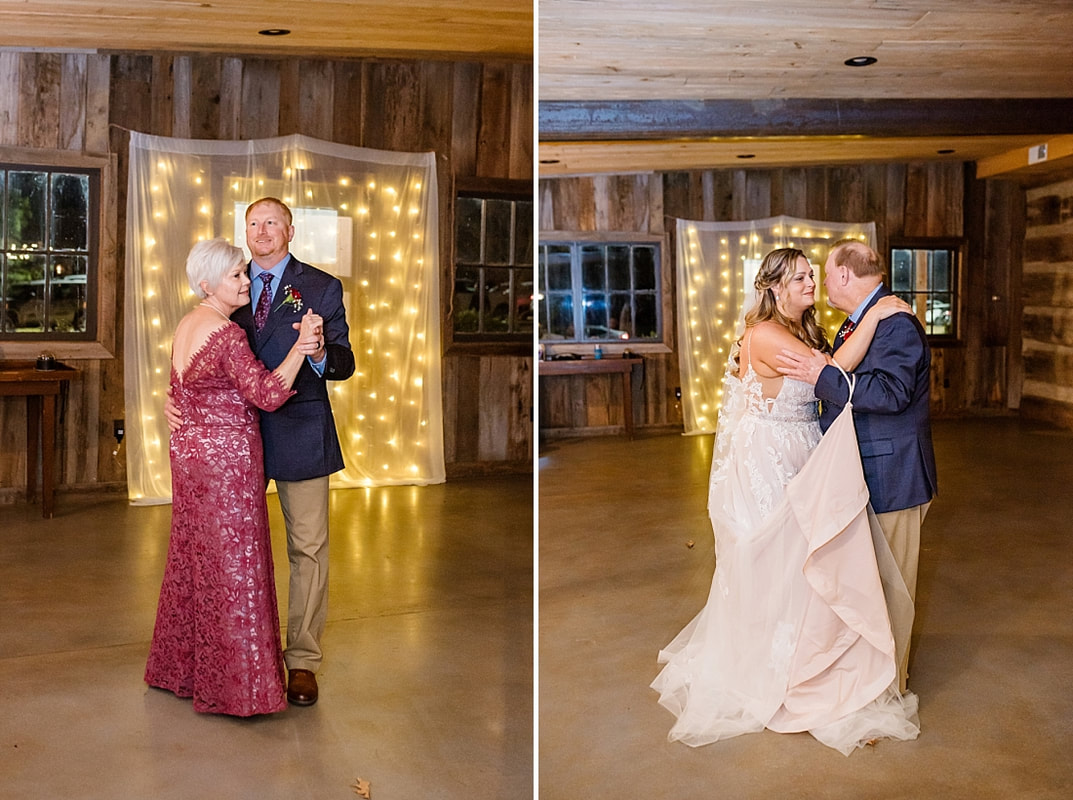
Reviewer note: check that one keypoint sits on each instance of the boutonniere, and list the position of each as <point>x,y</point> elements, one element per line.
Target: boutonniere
<point>291,297</point>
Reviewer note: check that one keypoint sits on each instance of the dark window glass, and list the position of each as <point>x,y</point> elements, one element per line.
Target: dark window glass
<point>599,291</point>
<point>926,278</point>
<point>47,257</point>
<point>493,297</point>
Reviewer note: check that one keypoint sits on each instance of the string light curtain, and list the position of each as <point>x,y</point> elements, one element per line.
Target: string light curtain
<point>369,217</point>
<point>716,265</point>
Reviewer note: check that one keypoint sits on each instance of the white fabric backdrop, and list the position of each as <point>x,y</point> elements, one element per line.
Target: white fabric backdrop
<point>716,264</point>
<point>369,217</point>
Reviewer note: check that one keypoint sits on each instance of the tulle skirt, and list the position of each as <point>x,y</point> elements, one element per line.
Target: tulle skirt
<point>795,635</point>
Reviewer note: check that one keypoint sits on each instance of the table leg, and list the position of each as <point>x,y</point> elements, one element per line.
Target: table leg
<point>48,457</point>
<point>33,442</point>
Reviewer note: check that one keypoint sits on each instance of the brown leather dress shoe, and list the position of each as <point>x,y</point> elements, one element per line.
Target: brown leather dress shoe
<point>302,687</point>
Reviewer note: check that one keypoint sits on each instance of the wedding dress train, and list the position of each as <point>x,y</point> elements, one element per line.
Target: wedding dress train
<point>795,635</point>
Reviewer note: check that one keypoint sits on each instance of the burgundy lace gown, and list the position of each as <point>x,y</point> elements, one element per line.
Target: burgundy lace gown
<point>217,636</point>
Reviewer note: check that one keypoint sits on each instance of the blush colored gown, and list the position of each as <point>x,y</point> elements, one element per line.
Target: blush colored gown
<point>795,635</point>
<point>217,636</point>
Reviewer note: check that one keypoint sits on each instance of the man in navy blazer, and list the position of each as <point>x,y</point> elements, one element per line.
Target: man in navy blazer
<point>891,413</point>
<point>301,446</point>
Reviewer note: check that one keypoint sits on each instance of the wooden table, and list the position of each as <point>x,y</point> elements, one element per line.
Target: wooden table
<point>40,388</point>
<point>599,366</point>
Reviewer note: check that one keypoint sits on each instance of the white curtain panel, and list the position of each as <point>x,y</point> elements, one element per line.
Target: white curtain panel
<point>716,264</point>
<point>368,217</point>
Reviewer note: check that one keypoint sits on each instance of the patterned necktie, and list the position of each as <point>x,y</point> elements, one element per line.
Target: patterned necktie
<point>264,304</point>
<point>847,329</point>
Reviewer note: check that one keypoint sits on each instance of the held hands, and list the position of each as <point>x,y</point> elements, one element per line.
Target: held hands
<point>310,335</point>
<point>800,367</point>
<point>171,412</point>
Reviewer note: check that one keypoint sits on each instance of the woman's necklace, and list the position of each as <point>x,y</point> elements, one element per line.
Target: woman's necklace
<point>214,308</point>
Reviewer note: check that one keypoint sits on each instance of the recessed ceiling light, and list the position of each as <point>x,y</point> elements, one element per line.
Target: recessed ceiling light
<point>274,32</point>
<point>860,61</point>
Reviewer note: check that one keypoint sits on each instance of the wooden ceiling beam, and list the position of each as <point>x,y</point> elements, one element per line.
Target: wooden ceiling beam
<point>1046,156</point>
<point>662,119</point>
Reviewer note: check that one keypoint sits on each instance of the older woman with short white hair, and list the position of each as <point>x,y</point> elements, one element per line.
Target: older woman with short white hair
<point>216,637</point>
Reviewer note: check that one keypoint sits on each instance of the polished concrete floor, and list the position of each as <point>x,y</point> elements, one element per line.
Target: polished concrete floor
<point>426,687</point>
<point>993,658</point>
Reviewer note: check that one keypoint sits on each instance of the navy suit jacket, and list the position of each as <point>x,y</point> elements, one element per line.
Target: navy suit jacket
<point>890,411</point>
<point>300,441</point>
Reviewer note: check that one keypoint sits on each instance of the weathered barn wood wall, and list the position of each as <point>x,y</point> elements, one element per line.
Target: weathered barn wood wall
<point>1048,299</point>
<point>905,200</point>
<point>477,117</point>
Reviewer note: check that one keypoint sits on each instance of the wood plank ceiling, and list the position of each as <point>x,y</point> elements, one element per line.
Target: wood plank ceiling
<point>619,65</point>
<point>433,29</point>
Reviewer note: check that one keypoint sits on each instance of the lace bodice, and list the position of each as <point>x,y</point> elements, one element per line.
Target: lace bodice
<point>795,402</point>
<point>761,444</point>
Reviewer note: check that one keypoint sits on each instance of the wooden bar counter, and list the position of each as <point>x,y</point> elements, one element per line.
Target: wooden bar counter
<point>599,366</point>
<point>40,388</point>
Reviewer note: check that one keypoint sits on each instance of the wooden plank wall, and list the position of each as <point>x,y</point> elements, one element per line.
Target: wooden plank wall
<point>476,116</point>
<point>905,200</point>
<point>1048,298</point>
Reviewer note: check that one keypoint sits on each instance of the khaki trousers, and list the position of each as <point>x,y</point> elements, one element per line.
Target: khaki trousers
<point>901,529</point>
<point>305,512</point>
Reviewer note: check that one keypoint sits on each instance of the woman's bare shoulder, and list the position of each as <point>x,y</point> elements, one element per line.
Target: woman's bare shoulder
<point>769,337</point>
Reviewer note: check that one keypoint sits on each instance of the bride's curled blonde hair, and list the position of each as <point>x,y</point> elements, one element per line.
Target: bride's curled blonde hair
<point>776,270</point>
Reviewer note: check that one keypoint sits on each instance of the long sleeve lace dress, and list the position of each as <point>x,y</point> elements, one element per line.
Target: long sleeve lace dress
<point>217,636</point>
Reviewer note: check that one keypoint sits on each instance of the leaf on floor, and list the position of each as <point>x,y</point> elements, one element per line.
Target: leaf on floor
<point>363,789</point>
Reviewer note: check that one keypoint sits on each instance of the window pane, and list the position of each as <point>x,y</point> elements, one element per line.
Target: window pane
<point>70,209</point>
<point>523,300</point>
<point>938,315</point>
<point>468,230</point>
<point>644,268</point>
<point>560,324</point>
<point>556,267</point>
<point>940,271</point>
<point>901,271</point>
<point>621,320</point>
<point>26,292</point>
<point>612,306</point>
<point>466,300</point>
<point>647,325</point>
<point>7,317</point>
<point>497,300</point>
<point>523,234</point>
<point>618,267</point>
<point>927,278</point>
<point>26,211</point>
<point>67,310</point>
<point>592,267</point>
<point>595,315</point>
<point>497,230</point>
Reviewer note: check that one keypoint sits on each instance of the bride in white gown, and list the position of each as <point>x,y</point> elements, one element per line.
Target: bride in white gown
<point>795,635</point>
